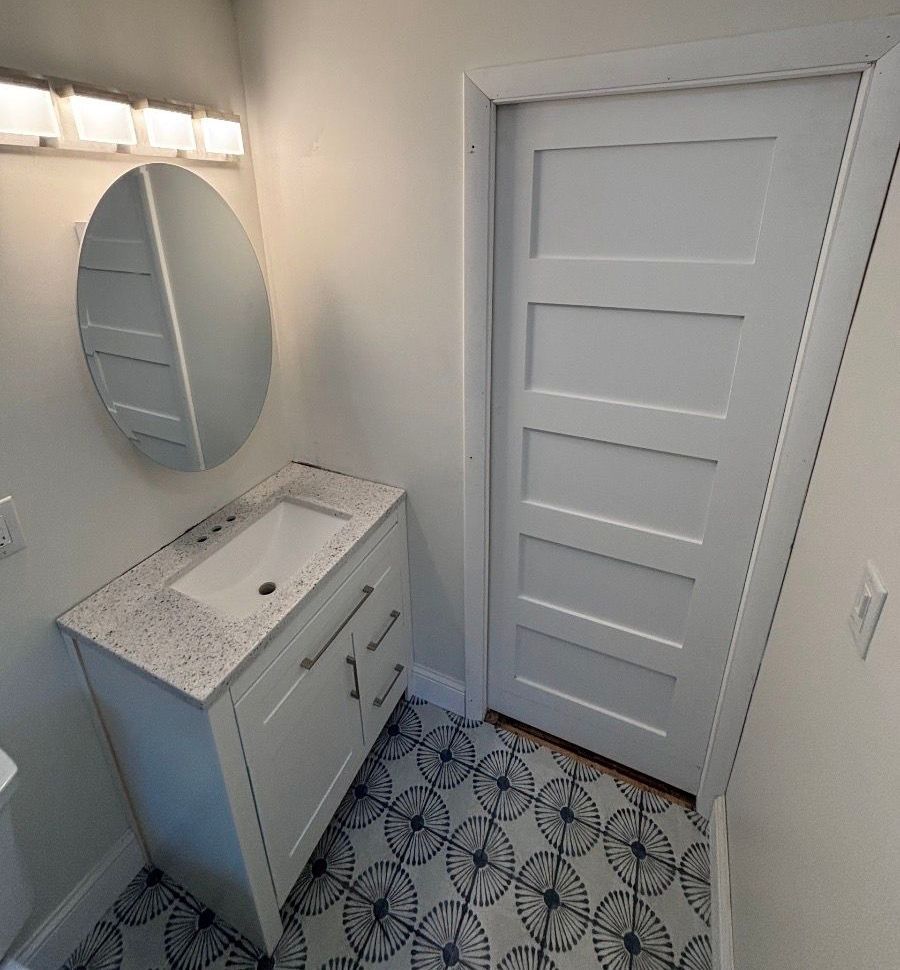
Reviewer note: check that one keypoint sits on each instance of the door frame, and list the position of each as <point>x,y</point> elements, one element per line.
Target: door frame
<point>867,47</point>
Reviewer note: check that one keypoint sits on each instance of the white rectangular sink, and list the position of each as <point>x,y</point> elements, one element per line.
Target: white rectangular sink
<point>236,579</point>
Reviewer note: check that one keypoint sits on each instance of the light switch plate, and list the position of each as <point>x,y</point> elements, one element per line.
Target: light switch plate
<point>867,608</point>
<point>11,539</point>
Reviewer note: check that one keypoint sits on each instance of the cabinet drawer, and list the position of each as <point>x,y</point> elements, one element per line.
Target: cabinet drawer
<point>383,677</point>
<point>382,646</point>
<point>383,574</point>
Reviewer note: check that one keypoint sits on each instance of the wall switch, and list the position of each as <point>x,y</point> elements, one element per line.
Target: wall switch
<point>867,609</point>
<point>11,539</point>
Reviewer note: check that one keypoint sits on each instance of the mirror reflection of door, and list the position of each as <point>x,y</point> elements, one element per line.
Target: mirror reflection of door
<point>174,317</point>
<point>129,326</point>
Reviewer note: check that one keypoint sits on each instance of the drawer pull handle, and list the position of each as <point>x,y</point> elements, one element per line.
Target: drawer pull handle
<point>375,644</point>
<point>380,700</point>
<point>354,693</point>
<point>307,663</point>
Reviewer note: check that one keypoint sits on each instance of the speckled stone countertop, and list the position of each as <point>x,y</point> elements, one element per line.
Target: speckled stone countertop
<point>181,643</point>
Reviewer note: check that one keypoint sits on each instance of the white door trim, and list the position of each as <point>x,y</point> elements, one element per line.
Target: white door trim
<point>721,930</point>
<point>868,47</point>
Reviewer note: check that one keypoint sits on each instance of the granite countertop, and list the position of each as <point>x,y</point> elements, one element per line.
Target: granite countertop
<point>186,646</point>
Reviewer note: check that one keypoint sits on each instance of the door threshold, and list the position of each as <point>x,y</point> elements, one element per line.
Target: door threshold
<point>604,765</point>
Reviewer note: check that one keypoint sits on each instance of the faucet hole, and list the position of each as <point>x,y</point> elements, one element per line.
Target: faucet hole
<point>266,588</point>
<point>216,528</point>
<point>202,538</point>
<point>231,518</point>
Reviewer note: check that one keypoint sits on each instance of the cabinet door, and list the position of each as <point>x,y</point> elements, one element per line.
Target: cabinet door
<point>303,742</point>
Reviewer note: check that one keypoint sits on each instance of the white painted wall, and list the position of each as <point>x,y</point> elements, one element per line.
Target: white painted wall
<point>90,504</point>
<point>813,819</point>
<point>357,122</point>
<point>356,112</point>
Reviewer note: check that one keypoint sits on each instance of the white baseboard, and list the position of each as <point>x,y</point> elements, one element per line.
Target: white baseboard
<point>720,872</point>
<point>76,915</point>
<point>438,688</point>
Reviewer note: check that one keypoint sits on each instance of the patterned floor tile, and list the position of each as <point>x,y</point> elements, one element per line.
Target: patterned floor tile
<point>459,846</point>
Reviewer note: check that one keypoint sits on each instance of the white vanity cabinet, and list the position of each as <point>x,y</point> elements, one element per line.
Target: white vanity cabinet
<point>308,721</point>
<point>231,798</point>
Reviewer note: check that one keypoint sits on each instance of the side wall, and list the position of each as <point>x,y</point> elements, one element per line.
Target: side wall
<point>813,824</point>
<point>357,109</point>
<point>90,504</point>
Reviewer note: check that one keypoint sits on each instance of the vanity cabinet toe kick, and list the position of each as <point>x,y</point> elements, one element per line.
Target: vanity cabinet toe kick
<point>231,799</point>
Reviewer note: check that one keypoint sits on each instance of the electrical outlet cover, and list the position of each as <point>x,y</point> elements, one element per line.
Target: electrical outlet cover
<point>867,608</point>
<point>11,538</point>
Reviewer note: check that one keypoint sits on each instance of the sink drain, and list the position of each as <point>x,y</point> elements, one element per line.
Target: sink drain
<point>266,588</point>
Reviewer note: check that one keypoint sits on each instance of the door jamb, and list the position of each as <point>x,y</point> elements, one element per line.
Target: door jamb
<point>868,47</point>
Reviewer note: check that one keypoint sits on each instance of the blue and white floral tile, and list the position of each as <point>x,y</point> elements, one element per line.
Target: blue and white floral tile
<point>459,846</point>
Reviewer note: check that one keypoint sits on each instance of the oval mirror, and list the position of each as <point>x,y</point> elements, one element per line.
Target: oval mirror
<point>174,317</point>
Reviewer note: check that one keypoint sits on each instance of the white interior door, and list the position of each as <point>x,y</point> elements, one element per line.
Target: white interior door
<point>654,255</point>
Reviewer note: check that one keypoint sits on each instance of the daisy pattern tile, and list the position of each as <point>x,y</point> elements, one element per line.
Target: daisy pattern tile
<point>458,846</point>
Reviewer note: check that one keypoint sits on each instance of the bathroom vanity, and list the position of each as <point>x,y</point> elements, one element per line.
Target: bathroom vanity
<point>242,674</point>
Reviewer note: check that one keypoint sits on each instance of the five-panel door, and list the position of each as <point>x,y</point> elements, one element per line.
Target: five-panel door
<point>654,256</point>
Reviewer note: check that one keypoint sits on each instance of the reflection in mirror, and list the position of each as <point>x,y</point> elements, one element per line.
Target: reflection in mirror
<point>174,317</point>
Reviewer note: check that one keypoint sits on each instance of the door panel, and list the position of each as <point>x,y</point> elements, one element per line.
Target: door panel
<point>699,200</point>
<point>654,255</point>
<point>653,491</point>
<point>609,591</point>
<point>588,352</point>
<point>593,679</point>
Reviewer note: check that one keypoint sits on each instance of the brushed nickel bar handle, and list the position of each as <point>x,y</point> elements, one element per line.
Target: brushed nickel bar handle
<point>375,644</point>
<point>352,661</point>
<point>307,663</point>
<point>380,700</point>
